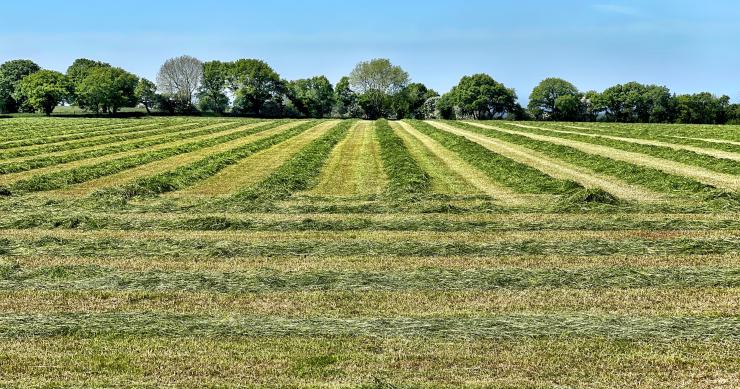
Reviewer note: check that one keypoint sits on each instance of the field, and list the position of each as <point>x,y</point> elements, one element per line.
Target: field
<point>223,252</point>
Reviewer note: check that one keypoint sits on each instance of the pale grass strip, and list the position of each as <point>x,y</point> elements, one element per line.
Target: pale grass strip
<point>354,166</point>
<point>255,168</point>
<point>729,142</point>
<point>167,164</point>
<point>706,176</point>
<point>15,177</point>
<point>470,173</point>
<point>699,150</point>
<point>479,237</point>
<point>553,167</point>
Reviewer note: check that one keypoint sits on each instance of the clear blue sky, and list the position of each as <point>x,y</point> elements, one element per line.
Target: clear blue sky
<point>689,46</point>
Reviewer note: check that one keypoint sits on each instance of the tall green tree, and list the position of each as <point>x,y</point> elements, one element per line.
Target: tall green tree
<point>635,102</point>
<point>78,71</point>
<point>146,93</point>
<point>481,97</point>
<point>409,101</point>
<point>345,100</point>
<point>555,99</point>
<point>703,108</point>
<point>107,89</point>
<point>43,90</point>
<point>212,96</point>
<point>376,81</point>
<point>257,87</point>
<point>11,73</point>
<point>312,97</point>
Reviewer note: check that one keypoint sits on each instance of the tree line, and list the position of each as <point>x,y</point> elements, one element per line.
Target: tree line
<point>373,89</point>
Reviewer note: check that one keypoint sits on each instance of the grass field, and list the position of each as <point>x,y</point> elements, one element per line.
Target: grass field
<point>235,252</point>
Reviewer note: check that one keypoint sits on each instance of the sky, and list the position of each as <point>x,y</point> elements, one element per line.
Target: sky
<point>688,46</point>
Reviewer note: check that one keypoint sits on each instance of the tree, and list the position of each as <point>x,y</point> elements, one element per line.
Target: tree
<point>255,84</point>
<point>543,101</point>
<point>481,97</point>
<point>107,89</point>
<point>703,108</point>
<point>211,96</point>
<point>146,93</point>
<point>375,81</point>
<point>346,100</point>
<point>11,73</point>
<point>78,71</point>
<point>635,102</point>
<point>179,78</point>
<point>312,97</point>
<point>43,90</point>
<point>408,102</point>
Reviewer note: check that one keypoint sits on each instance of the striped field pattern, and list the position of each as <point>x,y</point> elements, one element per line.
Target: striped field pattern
<point>221,252</point>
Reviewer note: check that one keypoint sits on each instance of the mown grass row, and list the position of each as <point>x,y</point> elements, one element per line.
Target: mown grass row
<point>116,129</point>
<point>63,178</point>
<point>206,222</point>
<point>17,130</point>
<point>148,131</point>
<point>664,301</point>
<point>684,156</point>
<point>634,174</point>
<point>228,248</point>
<point>499,327</point>
<point>512,174</point>
<point>299,173</point>
<point>405,177</point>
<point>646,134</point>
<point>187,175</point>
<point>68,278</point>
<point>180,134</point>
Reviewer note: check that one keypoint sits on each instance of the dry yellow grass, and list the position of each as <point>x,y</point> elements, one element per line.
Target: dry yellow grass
<point>256,167</point>
<point>706,176</point>
<point>354,166</point>
<point>556,168</point>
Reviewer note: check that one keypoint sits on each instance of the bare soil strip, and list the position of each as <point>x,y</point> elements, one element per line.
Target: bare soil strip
<point>255,168</point>
<point>354,166</point>
<point>720,180</point>
<point>453,163</point>
<point>699,150</point>
<point>555,168</point>
<point>167,164</point>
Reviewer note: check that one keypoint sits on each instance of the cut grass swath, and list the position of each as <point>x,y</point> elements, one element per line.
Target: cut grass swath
<point>406,177</point>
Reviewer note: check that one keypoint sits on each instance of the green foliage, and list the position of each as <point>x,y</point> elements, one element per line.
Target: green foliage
<point>480,97</point>
<point>212,96</point>
<point>406,178</point>
<point>257,87</point>
<point>43,90</point>
<point>702,108</point>
<point>146,93</point>
<point>409,102</point>
<point>11,74</point>
<point>635,102</point>
<point>376,81</point>
<point>555,99</point>
<point>107,89</point>
<point>312,97</point>
<point>78,71</point>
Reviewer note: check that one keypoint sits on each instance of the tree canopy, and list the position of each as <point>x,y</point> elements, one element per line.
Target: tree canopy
<point>480,97</point>
<point>11,73</point>
<point>107,89</point>
<point>555,99</point>
<point>375,82</point>
<point>43,90</point>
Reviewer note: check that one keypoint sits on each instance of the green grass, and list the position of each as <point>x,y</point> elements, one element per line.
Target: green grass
<point>405,284</point>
